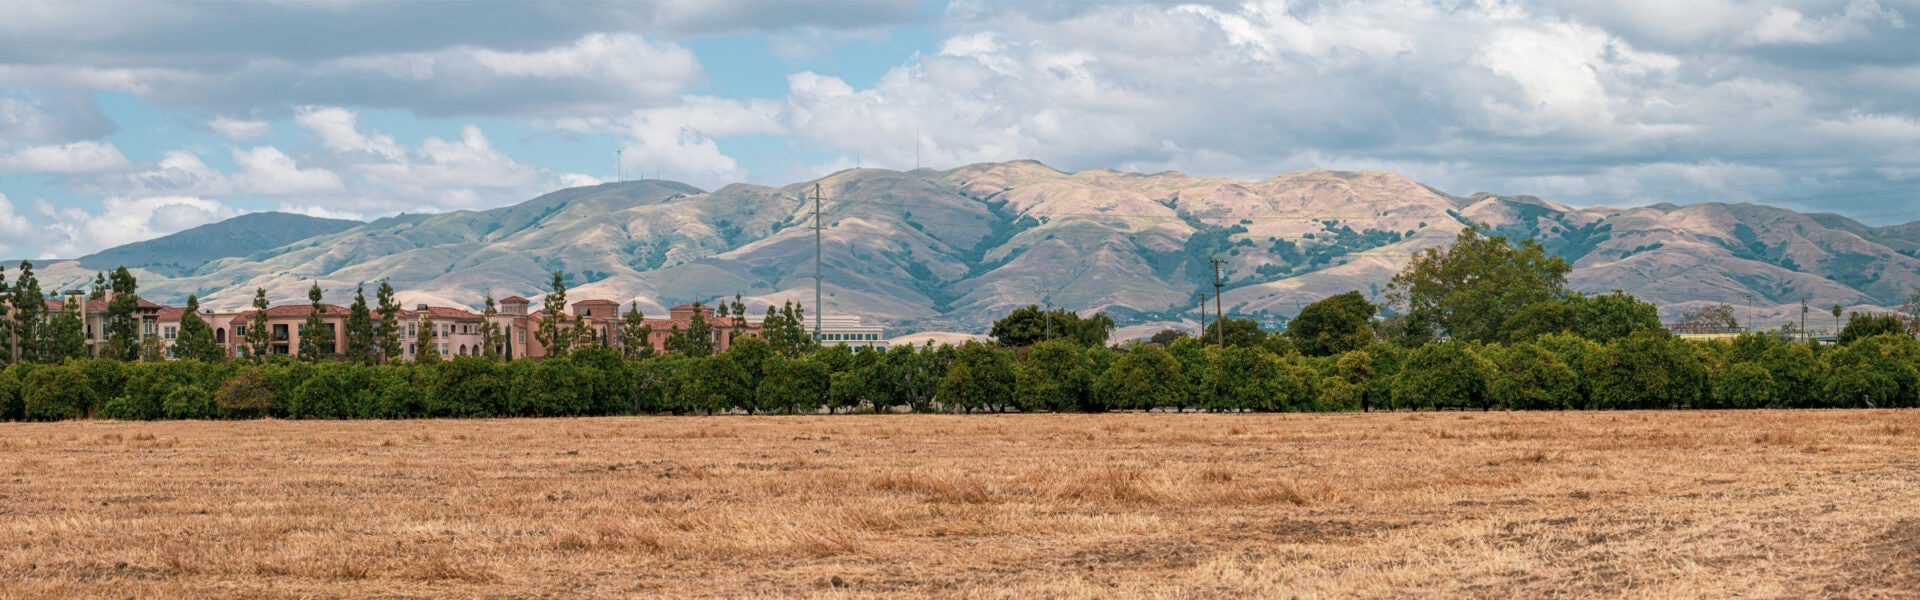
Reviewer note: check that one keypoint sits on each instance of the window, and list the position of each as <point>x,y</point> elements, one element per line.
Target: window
<point>523,335</point>
<point>443,349</point>
<point>411,330</point>
<point>240,330</point>
<point>89,331</point>
<point>169,332</point>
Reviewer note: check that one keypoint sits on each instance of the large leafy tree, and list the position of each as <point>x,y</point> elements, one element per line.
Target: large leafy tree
<point>1442,375</point>
<point>795,384</point>
<point>259,340</point>
<point>361,340</point>
<point>1335,325</point>
<point>1239,333</point>
<point>982,377</point>
<point>1528,377</point>
<point>316,336</point>
<point>123,318</point>
<point>1057,376</point>
<point>386,332</point>
<point>1860,327</point>
<point>553,333</point>
<point>1470,289</point>
<point>1029,325</point>
<point>1246,378</point>
<point>1146,377</point>
<point>1650,369</point>
<point>195,340</point>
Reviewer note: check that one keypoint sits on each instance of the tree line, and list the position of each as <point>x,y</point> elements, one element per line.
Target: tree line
<point>1484,324</point>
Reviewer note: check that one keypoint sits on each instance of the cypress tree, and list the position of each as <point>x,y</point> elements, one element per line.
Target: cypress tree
<point>316,337</point>
<point>360,330</point>
<point>490,338</point>
<point>29,310</point>
<point>550,333</point>
<point>259,340</point>
<point>195,341</point>
<point>426,350</point>
<point>386,332</point>
<point>636,337</point>
<point>123,320</point>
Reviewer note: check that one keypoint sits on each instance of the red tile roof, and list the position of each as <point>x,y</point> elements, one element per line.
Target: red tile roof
<point>172,314</point>
<point>294,310</point>
<point>442,312</point>
<point>597,303</point>
<point>515,300</point>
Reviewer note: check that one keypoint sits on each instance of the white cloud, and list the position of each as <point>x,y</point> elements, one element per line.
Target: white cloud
<point>267,170</point>
<point>70,232</point>
<point>14,228</point>
<point>239,130</point>
<point>1786,26</point>
<point>339,131</point>
<point>76,157</point>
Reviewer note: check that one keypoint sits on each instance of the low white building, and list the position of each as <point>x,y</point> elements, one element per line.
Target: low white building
<point>850,330</point>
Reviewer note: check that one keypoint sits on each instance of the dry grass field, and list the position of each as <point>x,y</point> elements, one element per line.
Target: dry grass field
<point>1636,504</point>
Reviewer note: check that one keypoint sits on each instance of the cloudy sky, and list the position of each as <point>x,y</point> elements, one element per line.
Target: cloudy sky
<point>122,121</point>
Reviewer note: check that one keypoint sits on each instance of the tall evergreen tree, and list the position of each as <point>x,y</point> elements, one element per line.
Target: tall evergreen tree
<point>426,349</point>
<point>64,335</point>
<point>122,327</point>
<point>786,330</point>
<point>360,338</point>
<point>490,338</point>
<point>259,339</point>
<point>29,311</point>
<point>636,336</point>
<point>316,336</point>
<point>386,332</point>
<point>195,340</point>
<point>6,322</point>
<point>697,339</point>
<point>100,287</point>
<point>552,333</point>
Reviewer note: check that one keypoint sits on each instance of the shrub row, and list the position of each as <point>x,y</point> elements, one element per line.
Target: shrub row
<point>1555,372</point>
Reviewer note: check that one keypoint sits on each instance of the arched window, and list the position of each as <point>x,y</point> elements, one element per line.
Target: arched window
<point>220,335</point>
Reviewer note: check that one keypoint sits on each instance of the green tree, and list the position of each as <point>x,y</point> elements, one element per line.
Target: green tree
<point>1860,327</point>
<point>7,356</point>
<point>1650,369</point>
<point>28,308</point>
<point>1879,371</point>
<point>386,331</point>
<point>1196,371</point>
<point>1446,374</point>
<point>697,340</point>
<point>56,392</point>
<point>552,332</point>
<point>122,326</point>
<point>799,385</point>
<point>491,341</point>
<point>981,377</point>
<point>195,340</point>
<point>259,340</point>
<point>786,330</point>
<point>1471,289</point>
<point>1607,317</point>
<point>1146,377</point>
<point>1248,378</point>
<point>1356,368</point>
<point>1240,333</point>
<point>1334,325</point>
<point>1744,385</point>
<point>316,336</point>
<point>1028,325</point>
<point>64,336</point>
<point>750,354</point>
<point>1056,376</point>
<point>362,341</point>
<point>636,336</point>
<point>426,348</point>
<point>1529,377</point>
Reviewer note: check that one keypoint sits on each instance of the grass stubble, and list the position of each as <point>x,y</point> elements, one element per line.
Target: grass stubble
<point>1635,504</point>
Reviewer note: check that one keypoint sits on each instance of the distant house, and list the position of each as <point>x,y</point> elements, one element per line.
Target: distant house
<point>850,330</point>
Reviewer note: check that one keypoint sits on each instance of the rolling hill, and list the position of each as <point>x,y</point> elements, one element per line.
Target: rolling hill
<point>952,250</point>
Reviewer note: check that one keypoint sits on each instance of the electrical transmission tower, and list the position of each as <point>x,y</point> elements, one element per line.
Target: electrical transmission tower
<point>819,306</point>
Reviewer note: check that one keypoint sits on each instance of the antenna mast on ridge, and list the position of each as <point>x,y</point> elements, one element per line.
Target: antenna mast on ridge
<point>617,167</point>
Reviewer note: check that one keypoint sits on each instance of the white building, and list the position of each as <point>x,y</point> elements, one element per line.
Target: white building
<point>850,330</point>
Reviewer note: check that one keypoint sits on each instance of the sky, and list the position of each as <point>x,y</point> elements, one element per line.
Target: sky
<point>124,121</point>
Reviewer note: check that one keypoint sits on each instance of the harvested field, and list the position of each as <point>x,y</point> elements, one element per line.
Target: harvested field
<point>1643,504</point>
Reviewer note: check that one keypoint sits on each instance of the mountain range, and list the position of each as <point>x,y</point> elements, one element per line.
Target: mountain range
<point>952,250</point>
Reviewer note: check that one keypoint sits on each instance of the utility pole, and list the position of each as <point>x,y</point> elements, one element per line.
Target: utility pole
<point>819,307</point>
<point>1220,318</point>
<point>1203,318</point>
<point>1803,320</point>
<point>617,167</point>
<point>1048,299</point>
